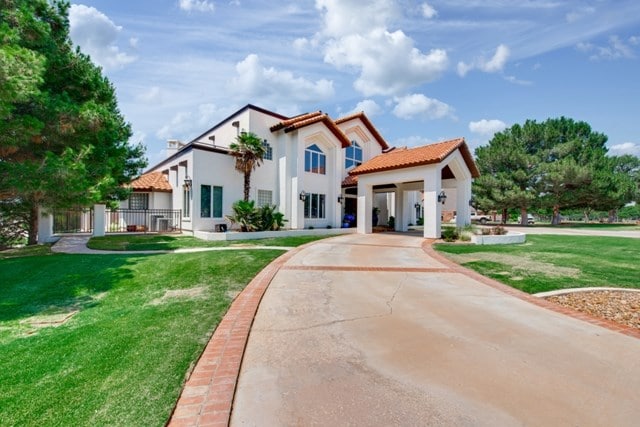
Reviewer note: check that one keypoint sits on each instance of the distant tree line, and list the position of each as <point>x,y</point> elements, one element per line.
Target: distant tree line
<point>63,141</point>
<point>554,165</point>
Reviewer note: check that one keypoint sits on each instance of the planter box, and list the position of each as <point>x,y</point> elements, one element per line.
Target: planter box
<point>510,238</point>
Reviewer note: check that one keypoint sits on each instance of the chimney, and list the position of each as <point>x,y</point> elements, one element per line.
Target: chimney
<point>173,145</point>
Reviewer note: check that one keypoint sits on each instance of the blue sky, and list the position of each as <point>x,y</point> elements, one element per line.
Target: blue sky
<point>422,71</point>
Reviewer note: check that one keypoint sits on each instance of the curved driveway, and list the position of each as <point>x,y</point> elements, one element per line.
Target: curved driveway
<point>370,330</point>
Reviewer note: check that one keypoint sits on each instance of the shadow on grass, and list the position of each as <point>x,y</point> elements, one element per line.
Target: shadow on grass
<point>46,285</point>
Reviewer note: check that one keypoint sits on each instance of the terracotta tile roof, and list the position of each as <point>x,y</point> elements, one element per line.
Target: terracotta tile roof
<point>368,125</point>
<point>410,157</point>
<point>350,181</point>
<point>152,181</point>
<point>288,122</point>
<point>308,119</point>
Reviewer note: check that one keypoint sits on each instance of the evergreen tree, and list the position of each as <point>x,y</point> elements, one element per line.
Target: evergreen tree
<point>63,141</point>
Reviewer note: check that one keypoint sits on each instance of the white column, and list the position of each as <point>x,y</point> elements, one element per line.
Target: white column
<point>463,192</point>
<point>45,226</point>
<point>432,209</point>
<point>99,223</point>
<point>401,209</point>
<point>365,206</point>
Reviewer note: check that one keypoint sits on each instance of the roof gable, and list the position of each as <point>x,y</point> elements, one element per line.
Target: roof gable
<point>303,120</point>
<point>367,123</point>
<point>409,157</point>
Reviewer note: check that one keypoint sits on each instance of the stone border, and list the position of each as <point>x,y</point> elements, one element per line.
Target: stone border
<point>427,246</point>
<point>236,235</point>
<point>576,290</point>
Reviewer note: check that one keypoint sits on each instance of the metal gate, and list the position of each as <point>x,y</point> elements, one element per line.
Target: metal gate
<point>73,221</point>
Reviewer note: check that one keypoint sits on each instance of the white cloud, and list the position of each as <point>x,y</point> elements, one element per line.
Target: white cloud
<point>96,35</point>
<point>517,81</point>
<point>197,5</point>
<point>388,62</point>
<point>419,105</point>
<point>487,127</point>
<point>625,148</point>
<point>577,14</point>
<point>411,141</point>
<point>369,106</point>
<point>345,17</point>
<point>184,125</point>
<point>256,82</point>
<point>133,42</point>
<point>617,49</point>
<point>428,11</point>
<point>493,65</point>
<point>152,96</point>
<point>357,39</point>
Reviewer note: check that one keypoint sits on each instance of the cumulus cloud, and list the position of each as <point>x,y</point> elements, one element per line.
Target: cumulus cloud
<point>387,62</point>
<point>255,81</point>
<point>196,5</point>
<point>494,64</point>
<point>616,49</point>
<point>625,148</point>
<point>428,11</point>
<point>487,127</point>
<point>411,141</point>
<point>369,106</point>
<point>96,35</point>
<point>418,105</point>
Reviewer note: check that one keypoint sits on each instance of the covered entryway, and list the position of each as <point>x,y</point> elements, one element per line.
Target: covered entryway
<point>435,170</point>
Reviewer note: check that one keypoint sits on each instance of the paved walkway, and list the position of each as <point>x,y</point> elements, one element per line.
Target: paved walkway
<point>376,330</point>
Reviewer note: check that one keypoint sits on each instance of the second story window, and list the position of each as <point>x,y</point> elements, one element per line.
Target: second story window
<point>353,155</point>
<point>315,160</point>
<point>268,150</point>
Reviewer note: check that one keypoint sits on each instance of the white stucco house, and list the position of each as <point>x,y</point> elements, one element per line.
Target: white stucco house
<point>316,170</point>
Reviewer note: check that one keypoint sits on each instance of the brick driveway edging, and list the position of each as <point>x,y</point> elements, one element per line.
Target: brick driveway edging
<point>207,396</point>
<point>427,247</point>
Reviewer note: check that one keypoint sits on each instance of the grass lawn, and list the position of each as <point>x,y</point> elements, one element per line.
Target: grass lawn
<point>108,339</point>
<point>145,242</point>
<point>550,262</point>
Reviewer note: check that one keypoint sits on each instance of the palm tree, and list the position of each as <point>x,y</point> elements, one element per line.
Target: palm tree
<point>249,153</point>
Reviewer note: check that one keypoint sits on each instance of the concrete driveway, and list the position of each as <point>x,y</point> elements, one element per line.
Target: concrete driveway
<point>369,330</point>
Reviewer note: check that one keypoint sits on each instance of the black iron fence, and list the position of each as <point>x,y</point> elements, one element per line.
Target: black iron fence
<point>143,220</point>
<point>73,221</point>
<point>119,221</point>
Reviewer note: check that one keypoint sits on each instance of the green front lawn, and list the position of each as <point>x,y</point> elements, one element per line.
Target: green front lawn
<point>146,242</point>
<point>108,339</point>
<point>550,262</point>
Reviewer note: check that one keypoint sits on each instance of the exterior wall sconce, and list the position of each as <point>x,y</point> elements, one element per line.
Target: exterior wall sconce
<point>442,197</point>
<point>472,202</point>
<point>303,196</point>
<point>417,206</point>
<point>187,182</point>
<point>340,199</point>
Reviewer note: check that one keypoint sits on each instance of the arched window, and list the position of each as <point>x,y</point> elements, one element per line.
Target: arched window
<point>353,155</point>
<point>315,160</point>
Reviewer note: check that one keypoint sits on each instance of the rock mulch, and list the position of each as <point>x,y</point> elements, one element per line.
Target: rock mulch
<point>618,306</point>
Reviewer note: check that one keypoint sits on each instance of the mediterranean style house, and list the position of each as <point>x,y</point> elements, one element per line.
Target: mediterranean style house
<point>318,171</point>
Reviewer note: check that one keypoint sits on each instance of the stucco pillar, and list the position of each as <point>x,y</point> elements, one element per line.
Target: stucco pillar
<point>463,195</point>
<point>99,220</point>
<point>365,206</point>
<point>401,209</point>
<point>432,209</point>
<point>45,226</point>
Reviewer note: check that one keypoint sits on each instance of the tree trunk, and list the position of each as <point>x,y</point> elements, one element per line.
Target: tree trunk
<point>586,215</point>
<point>504,216</point>
<point>247,186</point>
<point>524,219</point>
<point>556,215</point>
<point>612,216</point>
<point>33,226</point>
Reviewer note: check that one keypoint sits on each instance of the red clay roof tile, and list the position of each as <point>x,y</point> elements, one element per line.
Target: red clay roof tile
<point>152,181</point>
<point>410,157</point>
